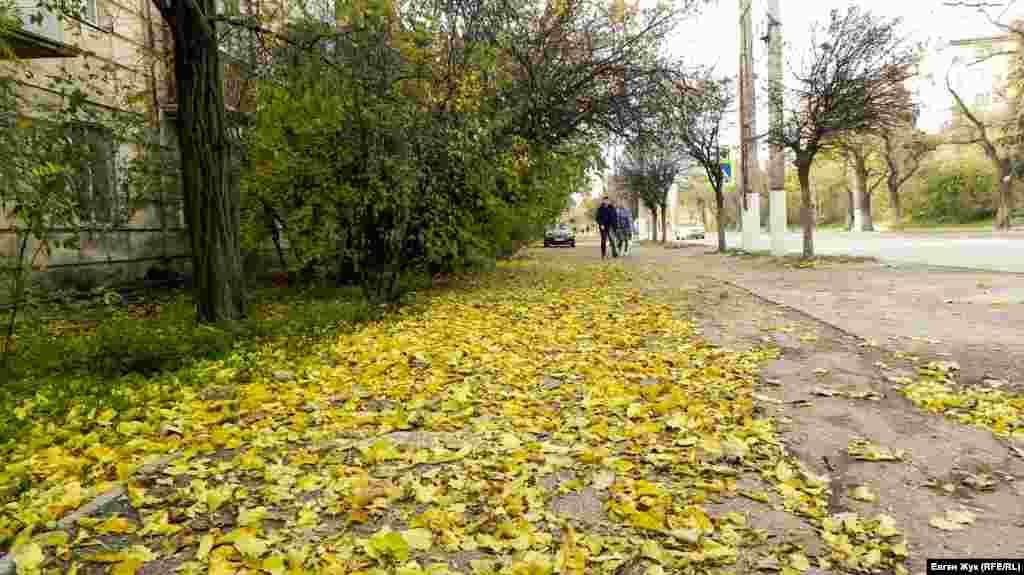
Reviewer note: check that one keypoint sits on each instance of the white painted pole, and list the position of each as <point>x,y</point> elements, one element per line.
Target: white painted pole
<point>858,211</point>
<point>776,158</point>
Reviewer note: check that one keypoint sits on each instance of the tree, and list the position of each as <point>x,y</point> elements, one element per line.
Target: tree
<point>443,139</point>
<point>862,154</point>
<point>1002,158</point>
<point>649,170</point>
<point>903,150</point>
<point>696,120</point>
<point>211,204</point>
<point>851,82</point>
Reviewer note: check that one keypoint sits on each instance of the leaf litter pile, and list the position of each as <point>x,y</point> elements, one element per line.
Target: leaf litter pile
<point>538,419</point>
<point>986,406</point>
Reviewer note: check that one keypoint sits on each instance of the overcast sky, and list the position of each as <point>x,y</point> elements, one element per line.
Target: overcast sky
<point>712,36</point>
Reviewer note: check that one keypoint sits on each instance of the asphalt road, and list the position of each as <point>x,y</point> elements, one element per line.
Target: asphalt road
<point>975,251</point>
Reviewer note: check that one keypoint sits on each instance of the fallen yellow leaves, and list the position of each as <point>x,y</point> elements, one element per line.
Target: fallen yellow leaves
<point>994,409</point>
<point>953,520</point>
<point>861,448</point>
<point>538,420</point>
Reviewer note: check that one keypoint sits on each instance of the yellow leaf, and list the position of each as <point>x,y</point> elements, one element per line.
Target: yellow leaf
<point>205,546</point>
<point>419,539</point>
<point>387,544</point>
<point>252,517</point>
<point>308,517</point>
<point>799,561</point>
<point>219,496</point>
<point>159,524</point>
<point>886,526</point>
<point>275,565</point>
<point>127,567</point>
<point>28,557</point>
<point>116,524</point>
<point>871,558</point>
<point>863,493</point>
<point>246,540</point>
<point>945,524</point>
<point>510,441</point>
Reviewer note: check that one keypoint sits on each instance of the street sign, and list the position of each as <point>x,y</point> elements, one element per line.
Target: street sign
<point>727,170</point>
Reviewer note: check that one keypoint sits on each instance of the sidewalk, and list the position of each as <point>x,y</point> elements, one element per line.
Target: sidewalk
<point>848,335</point>
<point>975,318</point>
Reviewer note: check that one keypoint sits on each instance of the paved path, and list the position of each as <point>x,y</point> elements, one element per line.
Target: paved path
<point>996,253</point>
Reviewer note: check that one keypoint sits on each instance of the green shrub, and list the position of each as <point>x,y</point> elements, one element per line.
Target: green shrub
<point>956,194</point>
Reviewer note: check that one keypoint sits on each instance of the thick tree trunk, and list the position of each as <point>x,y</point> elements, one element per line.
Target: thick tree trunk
<point>720,216</point>
<point>211,203</point>
<point>862,194</point>
<point>865,207</point>
<point>806,208</point>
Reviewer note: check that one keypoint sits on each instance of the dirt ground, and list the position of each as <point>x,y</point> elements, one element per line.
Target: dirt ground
<point>845,330</point>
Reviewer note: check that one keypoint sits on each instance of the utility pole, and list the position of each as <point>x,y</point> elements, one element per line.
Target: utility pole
<point>751,218</point>
<point>776,157</point>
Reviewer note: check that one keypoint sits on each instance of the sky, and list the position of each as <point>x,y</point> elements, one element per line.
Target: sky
<point>711,37</point>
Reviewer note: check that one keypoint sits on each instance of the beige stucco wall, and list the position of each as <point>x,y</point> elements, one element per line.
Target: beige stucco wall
<point>121,68</point>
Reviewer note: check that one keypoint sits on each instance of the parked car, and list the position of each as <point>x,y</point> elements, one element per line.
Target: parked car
<point>689,232</point>
<point>560,235</point>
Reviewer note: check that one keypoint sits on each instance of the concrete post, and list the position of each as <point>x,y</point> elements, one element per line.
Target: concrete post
<point>748,146</point>
<point>776,157</point>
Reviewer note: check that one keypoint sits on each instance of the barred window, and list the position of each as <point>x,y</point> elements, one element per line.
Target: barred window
<point>94,173</point>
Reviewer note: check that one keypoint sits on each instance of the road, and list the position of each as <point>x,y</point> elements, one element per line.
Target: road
<point>1003,253</point>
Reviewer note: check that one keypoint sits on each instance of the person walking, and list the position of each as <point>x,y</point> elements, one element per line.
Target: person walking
<point>625,220</point>
<point>607,221</point>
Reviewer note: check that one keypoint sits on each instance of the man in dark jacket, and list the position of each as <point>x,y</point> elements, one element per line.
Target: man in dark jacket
<point>607,221</point>
<point>625,228</point>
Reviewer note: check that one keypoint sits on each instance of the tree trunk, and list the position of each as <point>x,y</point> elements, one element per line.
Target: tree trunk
<point>664,225</point>
<point>211,204</point>
<point>862,194</point>
<point>850,216</point>
<point>806,208</point>
<point>1004,203</point>
<point>654,225</point>
<point>894,198</point>
<point>720,216</point>
<point>865,208</point>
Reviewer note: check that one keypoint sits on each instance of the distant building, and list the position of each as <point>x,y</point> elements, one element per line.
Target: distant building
<point>979,72</point>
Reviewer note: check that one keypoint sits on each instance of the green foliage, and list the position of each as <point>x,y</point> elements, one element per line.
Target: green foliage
<point>109,349</point>
<point>391,179</point>
<point>956,193</point>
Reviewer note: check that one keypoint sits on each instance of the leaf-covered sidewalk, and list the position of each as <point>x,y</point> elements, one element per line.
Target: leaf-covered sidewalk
<point>536,419</point>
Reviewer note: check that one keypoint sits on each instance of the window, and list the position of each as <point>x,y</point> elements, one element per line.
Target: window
<point>88,11</point>
<point>94,173</point>
<point>84,10</point>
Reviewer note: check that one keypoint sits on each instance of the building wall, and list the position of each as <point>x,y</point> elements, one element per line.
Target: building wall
<point>120,69</point>
<point>979,69</point>
<point>125,67</point>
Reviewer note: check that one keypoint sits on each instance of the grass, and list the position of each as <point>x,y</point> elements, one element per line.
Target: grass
<point>96,356</point>
<point>796,260</point>
<point>980,225</point>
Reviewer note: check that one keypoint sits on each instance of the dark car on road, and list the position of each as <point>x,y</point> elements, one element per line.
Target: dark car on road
<point>560,235</point>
